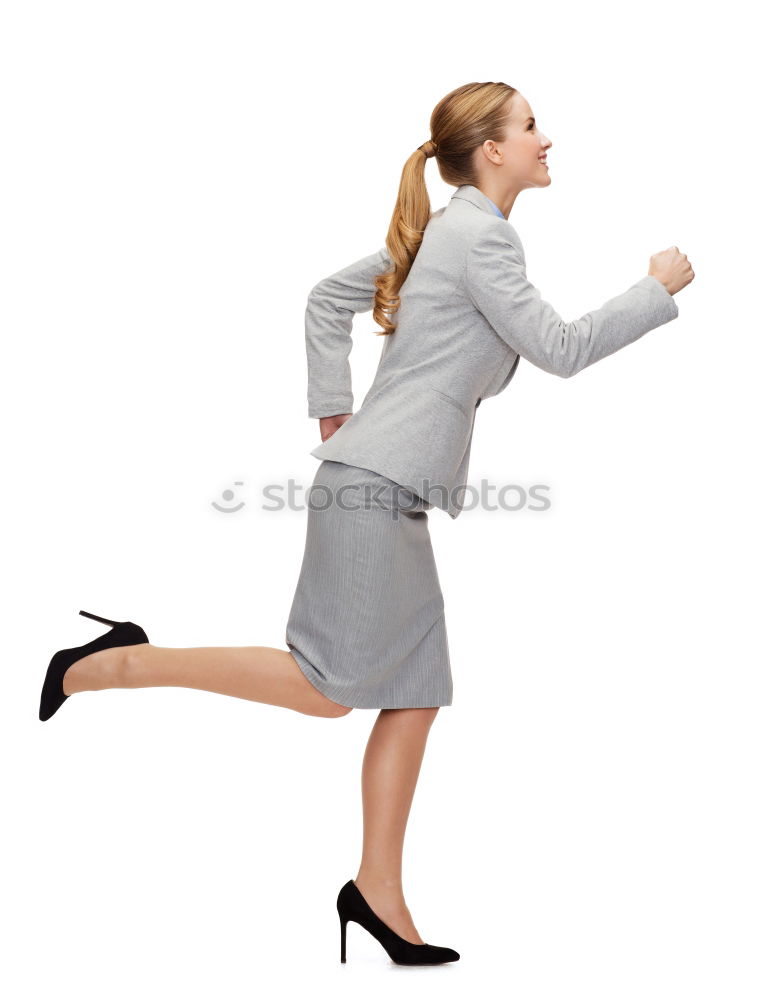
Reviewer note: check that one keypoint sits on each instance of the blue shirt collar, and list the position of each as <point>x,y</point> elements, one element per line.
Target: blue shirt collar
<point>496,209</point>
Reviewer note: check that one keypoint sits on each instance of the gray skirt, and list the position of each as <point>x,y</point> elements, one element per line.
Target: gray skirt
<point>367,623</point>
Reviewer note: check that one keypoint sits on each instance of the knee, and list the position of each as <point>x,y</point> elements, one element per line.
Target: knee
<point>429,715</point>
<point>336,711</point>
<point>422,717</point>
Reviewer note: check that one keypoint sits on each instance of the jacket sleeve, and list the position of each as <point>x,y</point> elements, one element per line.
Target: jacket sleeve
<point>331,306</point>
<point>498,287</point>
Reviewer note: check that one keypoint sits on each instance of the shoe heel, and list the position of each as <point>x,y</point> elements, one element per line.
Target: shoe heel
<point>343,926</point>
<point>106,621</point>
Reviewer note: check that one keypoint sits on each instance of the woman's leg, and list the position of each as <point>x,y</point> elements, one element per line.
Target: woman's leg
<point>390,770</point>
<point>257,673</point>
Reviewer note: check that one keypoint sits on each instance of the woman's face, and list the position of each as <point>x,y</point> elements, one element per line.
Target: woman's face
<point>518,157</point>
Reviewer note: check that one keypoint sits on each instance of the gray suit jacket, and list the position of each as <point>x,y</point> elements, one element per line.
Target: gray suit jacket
<point>467,314</point>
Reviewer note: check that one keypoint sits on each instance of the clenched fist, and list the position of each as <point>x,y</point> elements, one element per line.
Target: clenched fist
<point>672,268</point>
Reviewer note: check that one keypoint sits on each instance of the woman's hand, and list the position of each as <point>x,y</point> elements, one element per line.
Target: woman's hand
<point>672,268</point>
<point>330,424</point>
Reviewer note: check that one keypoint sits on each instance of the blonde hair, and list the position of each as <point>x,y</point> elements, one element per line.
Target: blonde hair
<point>460,123</point>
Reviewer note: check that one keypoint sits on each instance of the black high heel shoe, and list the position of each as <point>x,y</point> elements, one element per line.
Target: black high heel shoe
<point>121,634</point>
<point>351,905</point>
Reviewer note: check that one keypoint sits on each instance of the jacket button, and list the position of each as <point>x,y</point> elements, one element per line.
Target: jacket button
<point>479,400</point>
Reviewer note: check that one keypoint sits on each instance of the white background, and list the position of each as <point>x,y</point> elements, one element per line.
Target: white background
<point>176,177</point>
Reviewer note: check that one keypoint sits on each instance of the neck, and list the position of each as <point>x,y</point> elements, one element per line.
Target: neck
<point>503,197</point>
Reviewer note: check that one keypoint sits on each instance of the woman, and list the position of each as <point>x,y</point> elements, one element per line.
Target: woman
<point>367,626</point>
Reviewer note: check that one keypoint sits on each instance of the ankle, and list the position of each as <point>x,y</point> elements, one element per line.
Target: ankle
<point>133,665</point>
<point>390,887</point>
<point>97,671</point>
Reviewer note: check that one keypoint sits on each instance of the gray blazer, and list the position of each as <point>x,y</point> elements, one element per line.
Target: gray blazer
<point>467,314</point>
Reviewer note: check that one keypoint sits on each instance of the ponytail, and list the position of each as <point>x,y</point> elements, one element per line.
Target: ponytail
<point>462,121</point>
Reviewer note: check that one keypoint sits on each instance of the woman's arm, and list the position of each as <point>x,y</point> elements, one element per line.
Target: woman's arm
<point>498,287</point>
<point>331,305</point>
